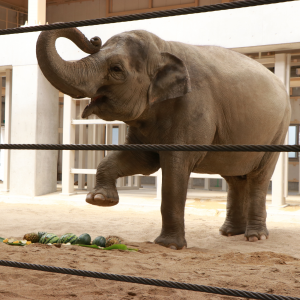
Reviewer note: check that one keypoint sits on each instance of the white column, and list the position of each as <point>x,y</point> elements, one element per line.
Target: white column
<point>82,154</point>
<point>206,183</point>
<point>68,157</point>
<point>280,176</point>
<point>8,99</point>
<point>36,12</point>
<point>34,120</point>
<point>91,179</point>
<point>158,184</point>
<point>224,185</point>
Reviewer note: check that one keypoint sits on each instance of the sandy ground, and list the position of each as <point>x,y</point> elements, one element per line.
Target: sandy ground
<point>271,266</point>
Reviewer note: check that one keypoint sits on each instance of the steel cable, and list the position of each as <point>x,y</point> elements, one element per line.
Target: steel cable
<point>157,147</point>
<point>142,16</point>
<point>148,281</point>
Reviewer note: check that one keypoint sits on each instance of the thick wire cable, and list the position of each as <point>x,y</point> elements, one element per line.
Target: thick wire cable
<point>157,147</point>
<point>148,281</point>
<point>142,16</point>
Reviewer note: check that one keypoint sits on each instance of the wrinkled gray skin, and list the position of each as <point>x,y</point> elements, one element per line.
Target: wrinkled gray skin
<point>174,93</point>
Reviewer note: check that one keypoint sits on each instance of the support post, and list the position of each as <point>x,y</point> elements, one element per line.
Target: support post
<point>224,185</point>
<point>206,184</point>
<point>68,158</point>
<point>36,12</point>
<point>91,179</point>
<point>280,175</point>
<point>81,154</point>
<point>121,140</point>
<point>158,184</point>
<point>34,121</point>
<point>7,135</point>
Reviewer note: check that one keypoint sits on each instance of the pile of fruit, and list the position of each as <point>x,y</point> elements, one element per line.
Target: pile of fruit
<point>67,239</point>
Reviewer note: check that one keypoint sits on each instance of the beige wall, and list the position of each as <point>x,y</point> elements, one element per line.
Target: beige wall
<point>93,9</point>
<point>76,11</point>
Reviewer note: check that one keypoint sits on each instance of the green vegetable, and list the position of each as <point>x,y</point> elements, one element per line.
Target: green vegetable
<point>1,239</point>
<point>120,247</point>
<point>68,238</point>
<point>49,238</point>
<point>99,241</point>
<point>41,233</point>
<point>115,246</point>
<point>84,239</point>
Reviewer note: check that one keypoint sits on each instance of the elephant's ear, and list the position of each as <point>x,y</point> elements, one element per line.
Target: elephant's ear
<point>172,80</point>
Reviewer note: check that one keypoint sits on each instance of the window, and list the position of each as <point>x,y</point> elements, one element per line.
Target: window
<point>10,18</point>
<point>115,135</point>
<point>293,139</point>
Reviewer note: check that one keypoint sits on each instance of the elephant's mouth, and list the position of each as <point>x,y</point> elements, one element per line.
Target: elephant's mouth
<point>89,109</point>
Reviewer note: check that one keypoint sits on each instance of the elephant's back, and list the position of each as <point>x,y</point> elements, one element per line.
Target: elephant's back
<point>245,96</point>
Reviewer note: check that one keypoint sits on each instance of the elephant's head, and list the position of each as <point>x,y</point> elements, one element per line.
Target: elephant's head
<point>123,77</point>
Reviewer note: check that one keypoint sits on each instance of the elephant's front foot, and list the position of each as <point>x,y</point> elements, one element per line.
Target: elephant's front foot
<point>255,233</point>
<point>230,228</point>
<point>173,242</point>
<point>103,197</point>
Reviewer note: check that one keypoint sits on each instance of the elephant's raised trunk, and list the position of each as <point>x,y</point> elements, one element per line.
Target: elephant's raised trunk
<point>71,78</point>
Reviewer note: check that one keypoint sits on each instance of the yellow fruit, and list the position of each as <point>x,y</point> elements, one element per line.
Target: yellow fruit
<point>28,243</point>
<point>16,242</point>
<point>5,241</point>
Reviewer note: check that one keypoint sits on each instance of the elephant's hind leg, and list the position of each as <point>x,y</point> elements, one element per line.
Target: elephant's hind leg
<point>256,214</point>
<point>236,219</point>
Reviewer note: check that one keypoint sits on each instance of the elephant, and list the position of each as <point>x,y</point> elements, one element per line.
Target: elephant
<point>170,92</point>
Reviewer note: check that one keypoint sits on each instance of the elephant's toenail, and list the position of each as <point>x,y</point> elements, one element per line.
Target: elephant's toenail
<point>173,247</point>
<point>263,237</point>
<point>99,197</point>
<point>253,239</point>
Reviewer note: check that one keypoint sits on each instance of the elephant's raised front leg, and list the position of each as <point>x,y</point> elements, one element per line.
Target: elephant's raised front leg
<point>119,164</point>
<point>236,218</point>
<point>175,176</point>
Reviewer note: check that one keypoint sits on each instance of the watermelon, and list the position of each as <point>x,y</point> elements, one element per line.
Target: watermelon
<point>84,239</point>
<point>49,238</point>
<point>41,233</point>
<point>99,241</point>
<point>68,238</point>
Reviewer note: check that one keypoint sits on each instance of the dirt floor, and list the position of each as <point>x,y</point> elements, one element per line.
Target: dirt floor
<point>270,266</point>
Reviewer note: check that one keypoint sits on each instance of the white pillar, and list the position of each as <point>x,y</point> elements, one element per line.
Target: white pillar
<point>224,185</point>
<point>8,98</point>
<point>68,156</point>
<point>36,12</point>
<point>206,184</point>
<point>82,154</point>
<point>280,176</point>
<point>34,120</point>
<point>158,184</point>
<point>91,163</point>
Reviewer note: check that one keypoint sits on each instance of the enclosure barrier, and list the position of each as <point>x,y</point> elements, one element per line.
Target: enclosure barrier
<point>143,16</point>
<point>156,147</point>
<point>148,281</point>
<point>141,280</point>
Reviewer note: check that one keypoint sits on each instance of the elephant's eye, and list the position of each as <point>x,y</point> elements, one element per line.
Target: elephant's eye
<point>116,69</point>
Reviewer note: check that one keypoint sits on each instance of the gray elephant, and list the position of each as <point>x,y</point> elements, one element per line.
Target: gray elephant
<point>174,93</point>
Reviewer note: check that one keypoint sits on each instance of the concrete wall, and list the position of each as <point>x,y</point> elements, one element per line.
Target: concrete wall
<point>34,121</point>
